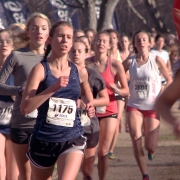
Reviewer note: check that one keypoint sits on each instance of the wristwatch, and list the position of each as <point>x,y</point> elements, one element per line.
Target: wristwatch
<point>20,91</point>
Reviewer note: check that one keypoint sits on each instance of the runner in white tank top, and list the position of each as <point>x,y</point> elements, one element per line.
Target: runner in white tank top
<point>145,83</point>
<point>144,89</point>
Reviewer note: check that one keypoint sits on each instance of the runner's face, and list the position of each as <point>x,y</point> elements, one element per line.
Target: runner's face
<point>6,44</point>
<point>78,54</point>
<point>114,39</point>
<point>62,40</point>
<point>38,31</point>
<point>90,36</point>
<point>160,43</point>
<point>142,42</point>
<point>124,42</point>
<point>102,43</point>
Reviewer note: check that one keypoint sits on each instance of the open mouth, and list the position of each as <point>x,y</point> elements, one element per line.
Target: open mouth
<point>39,38</point>
<point>4,49</point>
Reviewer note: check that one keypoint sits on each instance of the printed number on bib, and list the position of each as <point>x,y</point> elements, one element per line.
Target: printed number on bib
<point>141,89</point>
<point>85,120</point>
<point>61,112</point>
<point>5,112</point>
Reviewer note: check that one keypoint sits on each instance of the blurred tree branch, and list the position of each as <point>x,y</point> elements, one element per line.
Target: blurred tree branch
<point>136,12</point>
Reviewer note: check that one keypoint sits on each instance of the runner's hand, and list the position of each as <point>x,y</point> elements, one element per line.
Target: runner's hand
<point>63,81</point>
<point>90,110</point>
<point>113,87</point>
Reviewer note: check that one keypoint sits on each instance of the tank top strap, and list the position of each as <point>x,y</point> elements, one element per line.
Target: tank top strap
<point>109,67</point>
<point>152,58</point>
<point>46,68</point>
<point>73,66</point>
<point>74,69</point>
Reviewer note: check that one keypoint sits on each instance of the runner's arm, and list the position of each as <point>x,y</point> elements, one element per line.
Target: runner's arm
<point>167,98</point>
<point>163,69</point>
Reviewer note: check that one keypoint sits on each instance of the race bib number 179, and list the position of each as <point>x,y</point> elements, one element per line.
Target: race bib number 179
<point>61,112</point>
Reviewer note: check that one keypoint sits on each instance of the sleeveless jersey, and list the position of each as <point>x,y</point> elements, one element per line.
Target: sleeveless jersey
<point>109,78</point>
<point>145,83</point>
<point>49,128</point>
<point>6,105</point>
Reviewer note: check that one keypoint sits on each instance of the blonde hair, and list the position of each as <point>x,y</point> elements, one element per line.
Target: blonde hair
<point>18,33</point>
<point>37,15</point>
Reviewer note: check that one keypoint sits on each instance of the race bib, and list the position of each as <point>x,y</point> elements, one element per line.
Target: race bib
<point>61,112</point>
<point>101,110</point>
<point>141,89</point>
<point>33,114</point>
<point>85,120</point>
<point>5,112</point>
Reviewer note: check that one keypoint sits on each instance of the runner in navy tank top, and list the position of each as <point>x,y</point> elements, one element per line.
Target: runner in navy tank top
<point>54,86</point>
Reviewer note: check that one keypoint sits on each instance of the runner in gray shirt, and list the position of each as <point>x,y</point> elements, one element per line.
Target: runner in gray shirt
<point>19,64</point>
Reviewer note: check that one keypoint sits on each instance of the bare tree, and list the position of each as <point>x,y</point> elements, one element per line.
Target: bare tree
<point>90,14</point>
<point>106,14</point>
<point>88,8</point>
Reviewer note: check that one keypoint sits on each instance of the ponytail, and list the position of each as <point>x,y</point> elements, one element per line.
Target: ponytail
<point>48,49</point>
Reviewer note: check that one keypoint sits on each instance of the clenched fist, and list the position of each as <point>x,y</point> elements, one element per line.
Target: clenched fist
<point>63,81</point>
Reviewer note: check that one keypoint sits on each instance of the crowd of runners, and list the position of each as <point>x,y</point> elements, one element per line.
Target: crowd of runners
<point>63,92</point>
